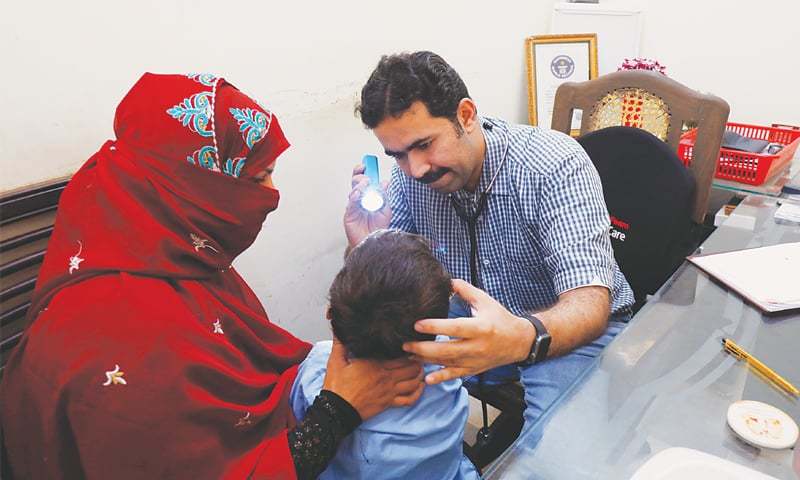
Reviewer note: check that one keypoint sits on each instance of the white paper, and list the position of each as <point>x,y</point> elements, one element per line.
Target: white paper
<point>557,63</point>
<point>767,276</point>
<point>788,211</point>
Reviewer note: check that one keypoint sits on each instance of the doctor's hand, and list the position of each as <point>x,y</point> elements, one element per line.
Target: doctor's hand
<point>372,386</point>
<point>492,337</point>
<point>358,223</point>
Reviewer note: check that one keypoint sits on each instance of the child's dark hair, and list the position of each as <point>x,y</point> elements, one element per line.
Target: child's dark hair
<point>388,282</point>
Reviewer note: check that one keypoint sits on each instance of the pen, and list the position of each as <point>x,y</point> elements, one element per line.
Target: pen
<point>740,354</point>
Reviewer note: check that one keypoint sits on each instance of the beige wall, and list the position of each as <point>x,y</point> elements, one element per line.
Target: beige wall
<point>746,52</point>
<point>65,65</point>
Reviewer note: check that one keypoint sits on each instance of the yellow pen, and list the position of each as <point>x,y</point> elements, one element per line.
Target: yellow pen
<point>741,354</point>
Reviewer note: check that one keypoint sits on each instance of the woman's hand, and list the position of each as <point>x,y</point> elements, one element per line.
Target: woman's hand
<point>372,386</point>
<point>358,223</point>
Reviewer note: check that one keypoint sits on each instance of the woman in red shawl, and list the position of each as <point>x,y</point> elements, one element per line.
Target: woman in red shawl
<point>149,356</point>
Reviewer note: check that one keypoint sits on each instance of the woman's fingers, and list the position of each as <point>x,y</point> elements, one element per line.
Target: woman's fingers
<point>407,386</point>
<point>406,375</point>
<point>411,398</point>
<point>338,358</point>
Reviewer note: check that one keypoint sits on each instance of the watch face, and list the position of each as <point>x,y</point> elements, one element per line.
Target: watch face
<point>534,351</point>
<point>540,344</point>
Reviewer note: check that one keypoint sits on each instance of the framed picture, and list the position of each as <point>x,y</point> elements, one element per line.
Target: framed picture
<point>553,60</point>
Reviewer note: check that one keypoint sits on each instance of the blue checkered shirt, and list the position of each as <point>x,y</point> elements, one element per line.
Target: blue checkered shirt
<point>544,229</point>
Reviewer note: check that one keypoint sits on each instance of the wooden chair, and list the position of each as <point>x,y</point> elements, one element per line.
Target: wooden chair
<point>652,102</point>
<point>27,216</point>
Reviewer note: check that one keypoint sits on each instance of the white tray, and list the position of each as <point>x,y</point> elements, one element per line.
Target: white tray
<point>679,463</point>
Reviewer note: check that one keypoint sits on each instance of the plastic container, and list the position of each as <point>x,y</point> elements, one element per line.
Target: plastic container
<point>746,167</point>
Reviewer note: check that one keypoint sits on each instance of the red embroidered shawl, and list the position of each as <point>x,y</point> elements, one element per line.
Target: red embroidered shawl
<point>148,356</point>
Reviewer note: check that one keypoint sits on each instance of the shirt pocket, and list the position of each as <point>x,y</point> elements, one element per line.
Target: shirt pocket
<point>523,254</point>
<point>529,280</point>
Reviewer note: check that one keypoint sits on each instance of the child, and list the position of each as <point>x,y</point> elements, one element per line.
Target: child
<point>389,281</point>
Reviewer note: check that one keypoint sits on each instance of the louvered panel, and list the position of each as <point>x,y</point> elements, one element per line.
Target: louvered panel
<point>27,216</point>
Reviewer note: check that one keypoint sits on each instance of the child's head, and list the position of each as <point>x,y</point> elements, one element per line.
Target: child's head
<point>388,282</point>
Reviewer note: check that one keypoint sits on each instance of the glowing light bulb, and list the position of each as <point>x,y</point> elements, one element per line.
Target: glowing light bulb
<point>372,200</point>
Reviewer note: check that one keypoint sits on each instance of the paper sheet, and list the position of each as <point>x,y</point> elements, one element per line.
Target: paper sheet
<point>788,211</point>
<point>767,276</point>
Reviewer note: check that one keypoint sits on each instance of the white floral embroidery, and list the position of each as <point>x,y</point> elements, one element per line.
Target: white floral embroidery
<point>114,377</point>
<point>75,260</point>
<point>244,421</point>
<point>200,243</point>
<point>218,327</point>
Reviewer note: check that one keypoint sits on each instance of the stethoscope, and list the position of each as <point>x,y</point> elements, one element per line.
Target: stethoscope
<point>470,217</point>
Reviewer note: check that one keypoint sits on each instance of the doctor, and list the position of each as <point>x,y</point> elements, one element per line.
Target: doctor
<point>516,211</point>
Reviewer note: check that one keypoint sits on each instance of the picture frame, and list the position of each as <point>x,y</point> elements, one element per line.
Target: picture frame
<point>551,61</point>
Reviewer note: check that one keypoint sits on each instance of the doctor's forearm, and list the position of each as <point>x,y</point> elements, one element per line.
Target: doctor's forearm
<point>579,316</point>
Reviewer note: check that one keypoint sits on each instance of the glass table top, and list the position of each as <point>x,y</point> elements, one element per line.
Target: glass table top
<point>665,380</point>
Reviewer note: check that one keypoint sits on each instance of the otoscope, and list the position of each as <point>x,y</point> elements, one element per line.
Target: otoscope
<point>372,199</point>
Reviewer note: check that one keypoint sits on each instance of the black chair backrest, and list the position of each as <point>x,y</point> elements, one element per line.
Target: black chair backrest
<point>27,216</point>
<point>649,195</point>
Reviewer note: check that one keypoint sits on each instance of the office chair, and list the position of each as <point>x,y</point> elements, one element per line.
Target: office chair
<point>653,102</point>
<point>649,194</point>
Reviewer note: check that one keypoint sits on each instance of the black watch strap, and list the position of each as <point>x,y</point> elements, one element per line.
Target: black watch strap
<point>540,345</point>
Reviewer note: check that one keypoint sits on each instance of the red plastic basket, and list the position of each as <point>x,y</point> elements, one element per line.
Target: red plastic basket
<point>745,167</point>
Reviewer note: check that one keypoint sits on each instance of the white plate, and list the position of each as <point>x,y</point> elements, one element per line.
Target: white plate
<point>679,463</point>
<point>762,425</point>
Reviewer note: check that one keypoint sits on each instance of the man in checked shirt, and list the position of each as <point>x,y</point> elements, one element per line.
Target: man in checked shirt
<point>516,211</point>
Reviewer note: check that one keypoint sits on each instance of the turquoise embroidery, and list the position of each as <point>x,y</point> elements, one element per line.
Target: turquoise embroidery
<point>252,123</point>
<point>194,112</point>
<point>206,79</point>
<point>233,167</point>
<point>205,157</point>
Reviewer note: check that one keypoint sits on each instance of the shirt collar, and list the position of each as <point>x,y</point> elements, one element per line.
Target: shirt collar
<point>496,135</point>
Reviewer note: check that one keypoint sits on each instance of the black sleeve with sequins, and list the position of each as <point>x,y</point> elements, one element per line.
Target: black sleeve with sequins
<point>314,442</point>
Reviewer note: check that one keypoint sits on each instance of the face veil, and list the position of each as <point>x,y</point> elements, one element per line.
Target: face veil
<point>148,356</point>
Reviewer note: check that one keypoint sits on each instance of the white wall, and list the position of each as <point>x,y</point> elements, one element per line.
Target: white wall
<point>745,52</point>
<point>65,66</point>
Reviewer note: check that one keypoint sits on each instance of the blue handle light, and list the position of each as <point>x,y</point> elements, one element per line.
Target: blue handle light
<point>372,199</point>
<point>371,169</point>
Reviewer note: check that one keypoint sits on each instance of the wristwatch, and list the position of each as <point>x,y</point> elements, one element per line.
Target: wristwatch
<point>540,344</point>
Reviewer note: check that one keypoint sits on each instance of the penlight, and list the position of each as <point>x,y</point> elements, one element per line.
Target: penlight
<point>372,200</point>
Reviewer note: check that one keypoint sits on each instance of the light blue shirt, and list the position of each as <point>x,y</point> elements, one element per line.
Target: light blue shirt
<point>418,442</point>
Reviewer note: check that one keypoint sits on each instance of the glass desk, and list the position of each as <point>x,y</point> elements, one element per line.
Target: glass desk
<point>665,380</point>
